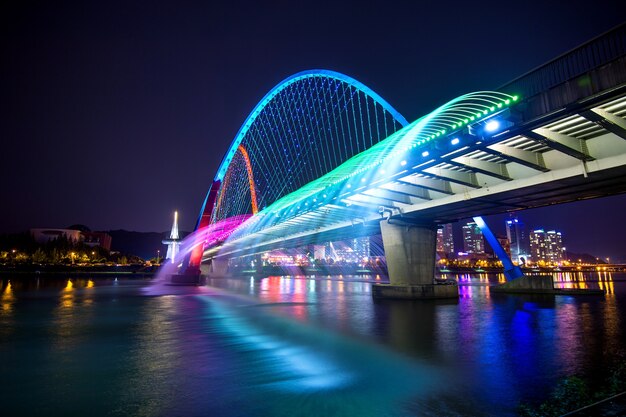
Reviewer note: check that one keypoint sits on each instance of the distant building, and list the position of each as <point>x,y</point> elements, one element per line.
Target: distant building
<point>319,251</point>
<point>518,239</point>
<point>445,239</point>
<point>473,241</point>
<point>86,237</point>
<point>94,239</point>
<point>361,248</point>
<point>546,246</point>
<point>46,235</point>
<point>504,242</point>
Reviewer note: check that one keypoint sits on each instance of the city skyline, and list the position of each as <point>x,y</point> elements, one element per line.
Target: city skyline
<point>118,115</point>
<point>604,246</point>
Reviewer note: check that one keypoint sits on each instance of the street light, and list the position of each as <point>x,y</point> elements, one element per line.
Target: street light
<point>158,256</point>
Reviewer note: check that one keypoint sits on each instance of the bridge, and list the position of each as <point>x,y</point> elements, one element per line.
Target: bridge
<point>322,157</point>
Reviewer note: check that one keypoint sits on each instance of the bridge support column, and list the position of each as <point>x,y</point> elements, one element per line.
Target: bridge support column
<point>218,268</point>
<point>410,252</point>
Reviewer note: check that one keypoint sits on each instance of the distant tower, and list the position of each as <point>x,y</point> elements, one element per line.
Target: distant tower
<point>173,243</point>
<point>516,234</point>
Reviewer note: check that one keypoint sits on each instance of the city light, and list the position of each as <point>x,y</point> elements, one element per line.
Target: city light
<point>492,126</point>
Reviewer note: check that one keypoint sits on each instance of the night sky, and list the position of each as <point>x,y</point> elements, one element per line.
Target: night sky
<point>114,114</point>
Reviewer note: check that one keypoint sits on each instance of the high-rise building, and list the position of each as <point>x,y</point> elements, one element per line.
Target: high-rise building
<point>546,246</point>
<point>518,239</point>
<point>473,241</point>
<point>361,248</point>
<point>445,239</point>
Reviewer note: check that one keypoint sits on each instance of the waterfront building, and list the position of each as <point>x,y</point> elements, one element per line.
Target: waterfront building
<point>445,239</point>
<point>517,236</point>
<point>361,248</point>
<point>85,236</point>
<point>93,239</point>
<point>473,241</point>
<point>46,235</point>
<point>546,246</point>
<point>319,252</point>
<point>505,243</point>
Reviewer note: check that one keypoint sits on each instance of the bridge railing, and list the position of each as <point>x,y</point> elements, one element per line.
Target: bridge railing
<point>593,67</point>
<point>601,50</point>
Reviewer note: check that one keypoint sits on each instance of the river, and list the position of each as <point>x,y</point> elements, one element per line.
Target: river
<point>295,346</point>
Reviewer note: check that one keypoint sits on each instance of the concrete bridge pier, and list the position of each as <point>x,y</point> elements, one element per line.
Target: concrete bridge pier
<point>410,249</point>
<point>218,268</point>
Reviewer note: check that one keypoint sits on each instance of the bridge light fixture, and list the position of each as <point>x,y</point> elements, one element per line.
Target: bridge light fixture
<point>492,126</point>
<point>349,185</point>
<point>492,108</point>
<point>455,141</point>
<point>425,154</point>
<point>403,162</point>
<point>362,179</point>
<point>499,105</point>
<point>507,101</point>
<point>515,98</point>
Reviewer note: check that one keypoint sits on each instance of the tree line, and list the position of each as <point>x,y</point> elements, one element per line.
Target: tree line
<point>22,248</point>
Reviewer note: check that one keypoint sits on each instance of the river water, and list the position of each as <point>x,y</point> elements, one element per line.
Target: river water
<point>295,346</point>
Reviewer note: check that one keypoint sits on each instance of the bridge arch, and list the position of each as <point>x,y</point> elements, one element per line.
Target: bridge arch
<point>249,174</point>
<point>304,127</point>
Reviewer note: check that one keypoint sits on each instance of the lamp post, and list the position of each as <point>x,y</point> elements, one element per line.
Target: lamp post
<point>158,256</point>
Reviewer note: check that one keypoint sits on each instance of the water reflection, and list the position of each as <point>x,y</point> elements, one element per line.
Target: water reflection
<point>7,301</point>
<point>298,346</point>
<point>155,356</point>
<point>65,318</point>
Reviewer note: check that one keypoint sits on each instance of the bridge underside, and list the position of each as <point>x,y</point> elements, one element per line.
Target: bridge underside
<point>597,184</point>
<point>553,136</point>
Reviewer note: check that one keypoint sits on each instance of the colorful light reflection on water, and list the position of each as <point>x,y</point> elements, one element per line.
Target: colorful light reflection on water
<point>297,346</point>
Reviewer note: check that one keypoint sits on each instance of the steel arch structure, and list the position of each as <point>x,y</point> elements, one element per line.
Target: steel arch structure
<point>303,128</point>
<point>309,123</point>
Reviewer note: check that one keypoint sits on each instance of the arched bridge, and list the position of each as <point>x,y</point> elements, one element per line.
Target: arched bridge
<point>323,157</point>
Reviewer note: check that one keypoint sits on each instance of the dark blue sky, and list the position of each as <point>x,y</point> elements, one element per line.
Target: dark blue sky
<point>116,113</point>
